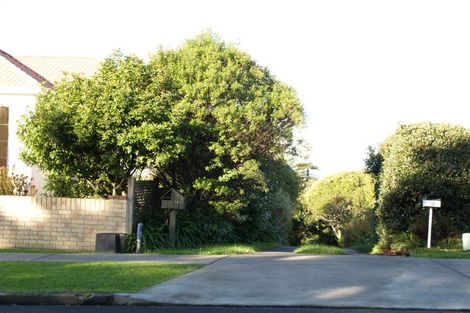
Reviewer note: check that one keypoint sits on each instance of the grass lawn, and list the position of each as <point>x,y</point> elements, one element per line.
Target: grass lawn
<point>237,248</point>
<point>440,253</point>
<point>86,277</point>
<point>320,249</point>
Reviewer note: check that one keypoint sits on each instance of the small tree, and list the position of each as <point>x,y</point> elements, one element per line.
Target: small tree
<point>344,202</point>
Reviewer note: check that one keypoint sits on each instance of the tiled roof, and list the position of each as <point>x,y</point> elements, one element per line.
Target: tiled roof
<point>53,68</point>
<point>28,71</point>
<point>14,73</point>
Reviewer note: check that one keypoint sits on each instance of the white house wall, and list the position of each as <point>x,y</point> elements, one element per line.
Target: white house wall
<point>18,105</point>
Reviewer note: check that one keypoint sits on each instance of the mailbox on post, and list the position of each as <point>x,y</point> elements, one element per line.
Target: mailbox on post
<point>430,204</point>
<point>173,200</point>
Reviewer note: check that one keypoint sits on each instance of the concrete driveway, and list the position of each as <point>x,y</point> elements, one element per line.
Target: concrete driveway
<point>286,279</point>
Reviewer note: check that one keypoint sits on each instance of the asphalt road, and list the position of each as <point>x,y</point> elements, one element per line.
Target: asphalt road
<point>124,309</point>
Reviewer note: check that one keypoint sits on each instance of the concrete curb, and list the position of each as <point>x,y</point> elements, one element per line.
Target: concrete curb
<point>48,298</point>
<point>141,299</point>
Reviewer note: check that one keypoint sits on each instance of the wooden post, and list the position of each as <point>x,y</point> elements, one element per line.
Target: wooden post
<point>130,204</point>
<point>172,228</point>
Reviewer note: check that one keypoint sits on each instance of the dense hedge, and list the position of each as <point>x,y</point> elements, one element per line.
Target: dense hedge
<point>424,160</point>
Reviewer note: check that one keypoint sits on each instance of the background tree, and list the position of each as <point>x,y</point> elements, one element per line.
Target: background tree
<point>344,202</point>
<point>232,121</point>
<point>373,162</point>
<point>420,160</point>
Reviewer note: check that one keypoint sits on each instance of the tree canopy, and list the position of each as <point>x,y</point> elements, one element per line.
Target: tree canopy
<point>205,118</point>
<point>79,129</point>
<point>425,160</point>
<point>341,201</point>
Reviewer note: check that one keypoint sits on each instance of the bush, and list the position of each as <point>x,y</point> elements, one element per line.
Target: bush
<point>194,228</point>
<point>17,185</point>
<point>6,183</point>
<point>344,202</point>
<point>63,186</point>
<point>424,160</point>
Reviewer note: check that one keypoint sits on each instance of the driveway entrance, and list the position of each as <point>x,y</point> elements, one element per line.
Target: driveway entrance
<point>287,279</point>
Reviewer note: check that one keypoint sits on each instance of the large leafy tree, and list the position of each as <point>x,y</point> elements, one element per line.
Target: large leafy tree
<point>344,202</point>
<point>205,118</point>
<point>425,160</point>
<point>230,116</point>
<point>79,130</point>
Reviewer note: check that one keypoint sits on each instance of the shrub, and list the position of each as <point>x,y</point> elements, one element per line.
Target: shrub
<point>17,185</point>
<point>424,160</point>
<point>344,202</point>
<point>6,183</point>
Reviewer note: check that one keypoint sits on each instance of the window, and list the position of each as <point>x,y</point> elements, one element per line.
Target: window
<point>3,136</point>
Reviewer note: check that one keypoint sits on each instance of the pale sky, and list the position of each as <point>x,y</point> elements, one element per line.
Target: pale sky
<point>360,67</point>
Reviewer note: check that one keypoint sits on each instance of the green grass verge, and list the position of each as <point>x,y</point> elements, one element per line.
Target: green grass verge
<point>440,253</point>
<point>222,249</point>
<point>320,249</point>
<point>86,277</point>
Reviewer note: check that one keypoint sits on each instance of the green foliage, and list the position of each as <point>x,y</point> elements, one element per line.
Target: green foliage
<point>205,118</point>
<point>307,230</point>
<point>65,186</point>
<point>80,128</point>
<point>373,162</point>
<point>319,249</point>
<point>269,214</point>
<point>231,120</point>
<point>424,160</point>
<point>437,253</point>
<point>6,183</point>
<point>344,202</point>
<point>450,243</point>
<point>231,124</point>
<point>219,249</point>
<point>14,184</point>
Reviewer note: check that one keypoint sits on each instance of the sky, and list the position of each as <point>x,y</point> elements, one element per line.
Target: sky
<point>360,68</point>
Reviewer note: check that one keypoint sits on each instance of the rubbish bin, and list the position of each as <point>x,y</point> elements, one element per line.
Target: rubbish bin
<point>466,241</point>
<point>111,242</point>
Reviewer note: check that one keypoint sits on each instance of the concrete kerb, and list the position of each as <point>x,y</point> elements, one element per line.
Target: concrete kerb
<point>139,299</point>
<point>47,298</point>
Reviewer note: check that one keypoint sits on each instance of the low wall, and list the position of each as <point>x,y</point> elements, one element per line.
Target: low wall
<point>59,223</point>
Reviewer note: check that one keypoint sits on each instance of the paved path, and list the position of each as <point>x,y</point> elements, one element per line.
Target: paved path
<point>95,257</point>
<point>285,279</point>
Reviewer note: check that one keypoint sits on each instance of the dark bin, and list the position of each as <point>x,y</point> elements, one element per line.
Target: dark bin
<point>111,242</point>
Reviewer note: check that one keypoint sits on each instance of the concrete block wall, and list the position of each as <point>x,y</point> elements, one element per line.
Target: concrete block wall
<point>59,223</point>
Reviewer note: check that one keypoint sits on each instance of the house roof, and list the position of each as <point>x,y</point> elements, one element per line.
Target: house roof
<point>53,68</point>
<point>14,73</point>
<point>28,71</point>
